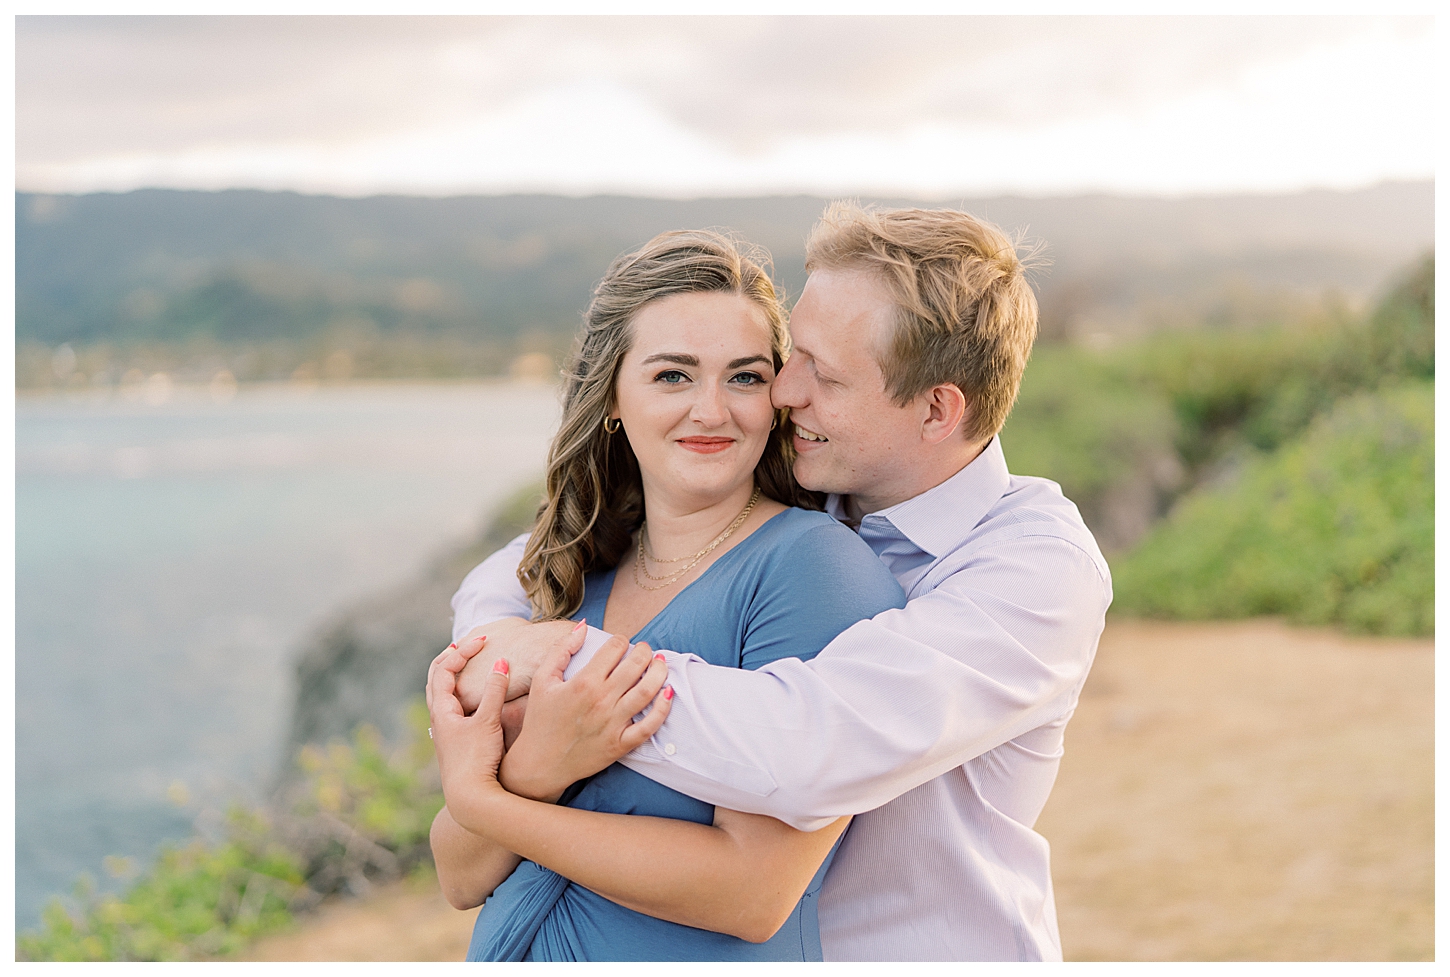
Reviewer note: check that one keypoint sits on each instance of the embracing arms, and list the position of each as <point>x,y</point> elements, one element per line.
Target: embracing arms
<point>996,649</point>
<point>470,866</point>
<point>617,685</point>
<point>743,875</point>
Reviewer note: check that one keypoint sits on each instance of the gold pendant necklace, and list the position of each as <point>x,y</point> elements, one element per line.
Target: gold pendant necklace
<point>639,567</point>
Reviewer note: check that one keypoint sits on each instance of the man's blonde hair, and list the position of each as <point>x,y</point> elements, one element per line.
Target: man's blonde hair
<point>965,312</point>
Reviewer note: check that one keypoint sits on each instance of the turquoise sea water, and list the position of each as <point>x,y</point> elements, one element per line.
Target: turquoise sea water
<point>170,560</point>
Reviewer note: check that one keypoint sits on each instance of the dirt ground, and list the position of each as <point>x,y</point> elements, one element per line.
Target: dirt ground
<point>405,921</point>
<point>1230,791</point>
<point>1248,791</point>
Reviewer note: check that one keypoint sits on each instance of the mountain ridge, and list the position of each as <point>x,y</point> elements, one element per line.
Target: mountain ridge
<point>239,266</point>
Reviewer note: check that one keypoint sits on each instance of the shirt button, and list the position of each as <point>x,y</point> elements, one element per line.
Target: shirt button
<point>670,749</point>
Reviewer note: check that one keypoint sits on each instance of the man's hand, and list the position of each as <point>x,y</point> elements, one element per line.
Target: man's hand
<point>577,728</point>
<point>525,646</point>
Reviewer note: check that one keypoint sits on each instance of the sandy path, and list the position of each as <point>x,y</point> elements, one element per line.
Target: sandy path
<point>406,921</point>
<point>1248,791</point>
<point>1230,791</point>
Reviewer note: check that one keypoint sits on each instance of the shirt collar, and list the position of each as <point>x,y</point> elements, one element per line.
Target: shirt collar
<point>939,519</point>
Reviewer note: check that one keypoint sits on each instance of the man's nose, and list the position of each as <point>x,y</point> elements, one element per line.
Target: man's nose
<point>789,387</point>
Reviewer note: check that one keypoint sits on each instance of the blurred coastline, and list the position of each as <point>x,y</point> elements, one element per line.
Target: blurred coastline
<point>138,388</point>
<point>173,557</point>
<point>243,286</point>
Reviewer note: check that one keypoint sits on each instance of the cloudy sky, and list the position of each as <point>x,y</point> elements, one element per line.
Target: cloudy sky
<point>699,106</point>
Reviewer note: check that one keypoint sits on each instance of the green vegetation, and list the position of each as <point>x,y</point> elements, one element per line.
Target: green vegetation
<point>196,902</point>
<point>366,796</point>
<point>1263,387</point>
<point>1297,460</point>
<point>1087,422</point>
<point>1337,527</point>
<point>359,814</point>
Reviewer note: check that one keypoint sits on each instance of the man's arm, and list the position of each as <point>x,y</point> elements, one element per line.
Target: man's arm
<point>999,648</point>
<point>490,601</point>
<point>492,591</point>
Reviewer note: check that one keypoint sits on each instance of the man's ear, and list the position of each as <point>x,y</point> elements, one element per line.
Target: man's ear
<point>946,408</point>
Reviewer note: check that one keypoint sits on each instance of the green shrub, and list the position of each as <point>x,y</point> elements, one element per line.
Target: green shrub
<point>1228,385</point>
<point>359,814</point>
<point>1082,421</point>
<point>196,902</point>
<point>388,798</point>
<point>1263,387</point>
<point>1400,338</point>
<point>1334,528</point>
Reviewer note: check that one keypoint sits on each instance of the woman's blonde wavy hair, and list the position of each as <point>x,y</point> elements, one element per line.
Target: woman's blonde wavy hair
<point>593,498</point>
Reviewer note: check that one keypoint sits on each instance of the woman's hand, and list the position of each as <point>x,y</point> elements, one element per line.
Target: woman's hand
<point>513,709</point>
<point>470,866</point>
<point>577,728</point>
<point>742,876</point>
<point>469,748</point>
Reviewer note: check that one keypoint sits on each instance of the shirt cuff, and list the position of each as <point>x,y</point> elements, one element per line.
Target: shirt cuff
<point>593,639</point>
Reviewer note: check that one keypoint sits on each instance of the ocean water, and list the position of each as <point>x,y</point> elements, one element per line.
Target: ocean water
<point>172,556</point>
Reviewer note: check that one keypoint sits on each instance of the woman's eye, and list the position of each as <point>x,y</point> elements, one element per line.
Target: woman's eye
<point>672,377</point>
<point>747,379</point>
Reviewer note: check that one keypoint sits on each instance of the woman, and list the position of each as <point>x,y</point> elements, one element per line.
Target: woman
<point>671,515</point>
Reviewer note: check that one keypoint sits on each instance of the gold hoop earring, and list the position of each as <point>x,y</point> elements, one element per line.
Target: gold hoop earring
<point>774,419</point>
<point>618,423</point>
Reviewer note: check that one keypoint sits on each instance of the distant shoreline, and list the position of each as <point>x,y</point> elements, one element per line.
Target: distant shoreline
<point>201,391</point>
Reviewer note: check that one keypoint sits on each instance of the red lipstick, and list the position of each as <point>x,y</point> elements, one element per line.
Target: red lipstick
<point>705,446</point>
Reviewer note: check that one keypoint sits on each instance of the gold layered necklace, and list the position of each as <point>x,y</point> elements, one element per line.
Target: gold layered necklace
<point>639,564</point>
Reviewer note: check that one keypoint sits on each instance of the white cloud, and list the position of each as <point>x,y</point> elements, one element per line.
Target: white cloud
<point>686,107</point>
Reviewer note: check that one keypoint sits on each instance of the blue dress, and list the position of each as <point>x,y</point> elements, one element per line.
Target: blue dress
<point>784,591</point>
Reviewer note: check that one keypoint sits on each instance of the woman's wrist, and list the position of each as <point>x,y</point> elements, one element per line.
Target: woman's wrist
<point>529,780</point>
<point>476,807</point>
<point>496,816</point>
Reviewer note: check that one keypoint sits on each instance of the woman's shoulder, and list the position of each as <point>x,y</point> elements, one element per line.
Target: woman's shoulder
<point>814,579</point>
<point>793,523</point>
<point>793,519</point>
<point>815,529</point>
<point>814,548</point>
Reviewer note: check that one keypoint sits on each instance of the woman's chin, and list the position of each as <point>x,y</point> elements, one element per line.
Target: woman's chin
<point>699,486</point>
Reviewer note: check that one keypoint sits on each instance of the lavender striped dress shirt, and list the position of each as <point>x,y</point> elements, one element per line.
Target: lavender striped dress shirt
<point>939,725</point>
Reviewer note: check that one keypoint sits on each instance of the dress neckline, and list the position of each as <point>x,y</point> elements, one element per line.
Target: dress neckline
<point>607,580</point>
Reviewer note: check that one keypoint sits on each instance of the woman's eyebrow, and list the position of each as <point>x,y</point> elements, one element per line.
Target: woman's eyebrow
<point>745,360</point>
<point>684,359</point>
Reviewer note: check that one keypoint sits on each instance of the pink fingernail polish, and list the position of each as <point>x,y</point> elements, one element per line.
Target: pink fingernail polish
<point>669,692</point>
<point>581,624</point>
<point>452,646</point>
<point>501,666</point>
<point>659,658</point>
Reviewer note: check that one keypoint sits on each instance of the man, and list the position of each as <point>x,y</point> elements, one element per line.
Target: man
<point>940,725</point>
